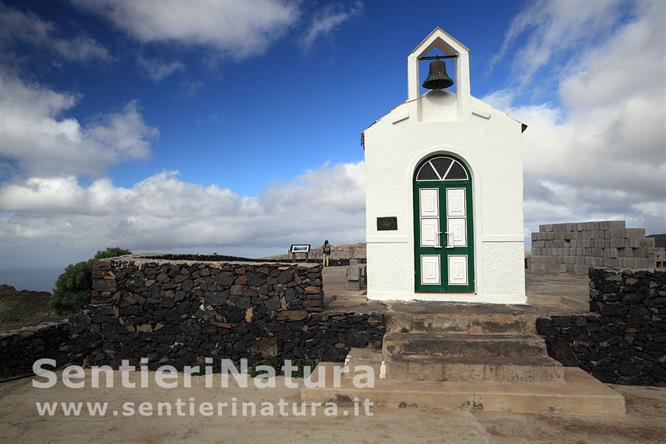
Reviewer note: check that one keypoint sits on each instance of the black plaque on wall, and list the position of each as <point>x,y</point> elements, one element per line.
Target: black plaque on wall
<point>387,223</point>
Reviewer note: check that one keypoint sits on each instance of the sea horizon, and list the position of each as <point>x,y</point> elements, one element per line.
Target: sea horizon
<point>34,280</point>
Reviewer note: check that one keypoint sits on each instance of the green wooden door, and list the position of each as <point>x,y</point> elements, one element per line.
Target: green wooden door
<point>443,227</point>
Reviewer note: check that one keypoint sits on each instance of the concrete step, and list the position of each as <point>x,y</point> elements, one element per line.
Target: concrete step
<point>425,345</point>
<point>562,304</point>
<point>467,321</point>
<point>510,369</point>
<point>365,356</point>
<point>578,394</point>
<point>442,368</point>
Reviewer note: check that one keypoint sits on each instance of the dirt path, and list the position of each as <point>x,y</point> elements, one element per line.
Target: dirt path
<point>19,421</point>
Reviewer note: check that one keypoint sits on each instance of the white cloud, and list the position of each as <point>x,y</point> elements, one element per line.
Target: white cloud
<point>327,20</point>
<point>17,26</point>
<point>158,70</point>
<point>44,143</point>
<point>501,98</point>
<point>602,153</point>
<point>239,28</point>
<point>164,212</point>
<point>191,88</point>
<point>554,27</point>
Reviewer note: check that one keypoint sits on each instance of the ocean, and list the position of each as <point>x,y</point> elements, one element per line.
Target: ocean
<point>36,280</point>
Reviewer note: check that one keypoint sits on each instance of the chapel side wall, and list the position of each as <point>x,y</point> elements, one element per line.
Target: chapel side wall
<point>504,272</point>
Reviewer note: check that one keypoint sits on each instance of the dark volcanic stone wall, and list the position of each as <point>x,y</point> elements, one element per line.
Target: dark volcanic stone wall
<point>20,348</point>
<point>623,340</point>
<point>179,312</point>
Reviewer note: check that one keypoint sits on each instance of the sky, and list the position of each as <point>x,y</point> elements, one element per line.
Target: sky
<point>234,127</point>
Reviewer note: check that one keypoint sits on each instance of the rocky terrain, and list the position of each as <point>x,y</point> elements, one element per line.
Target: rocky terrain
<point>20,308</point>
<point>342,251</point>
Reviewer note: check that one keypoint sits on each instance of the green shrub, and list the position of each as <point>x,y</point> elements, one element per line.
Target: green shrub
<point>72,289</point>
<point>111,252</point>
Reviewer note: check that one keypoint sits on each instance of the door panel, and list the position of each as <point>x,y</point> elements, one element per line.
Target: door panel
<point>457,233</point>
<point>455,202</point>
<point>457,270</point>
<point>430,270</point>
<point>430,232</point>
<point>429,202</point>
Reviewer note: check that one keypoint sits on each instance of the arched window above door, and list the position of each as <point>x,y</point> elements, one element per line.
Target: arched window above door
<point>441,168</point>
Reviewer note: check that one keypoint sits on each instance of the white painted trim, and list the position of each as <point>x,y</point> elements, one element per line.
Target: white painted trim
<point>400,117</point>
<point>449,297</point>
<point>482,114</point>
<point>432,165</point>
<point>418,173</point>
<point>438,29</point>
<point>449,168</point>
<point>503,238</point>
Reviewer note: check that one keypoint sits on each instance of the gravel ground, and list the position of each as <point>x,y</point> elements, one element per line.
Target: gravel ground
<point>19,422</point>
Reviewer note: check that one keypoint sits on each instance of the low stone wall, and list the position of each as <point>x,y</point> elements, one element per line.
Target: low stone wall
<point>623,339</point>
<point>20,348</point>
<point>179,312</point>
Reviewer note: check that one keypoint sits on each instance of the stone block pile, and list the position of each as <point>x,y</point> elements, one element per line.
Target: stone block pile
<point>577,247</point>
<point>357,278</point>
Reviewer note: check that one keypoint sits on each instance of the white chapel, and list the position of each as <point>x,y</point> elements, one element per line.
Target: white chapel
<point>444,189</point>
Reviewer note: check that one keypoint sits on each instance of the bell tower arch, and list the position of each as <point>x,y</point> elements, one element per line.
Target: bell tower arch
<point>439,39</point>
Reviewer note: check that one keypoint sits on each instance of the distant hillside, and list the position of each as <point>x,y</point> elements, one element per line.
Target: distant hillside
<point>659,239</point>
<point>343,251</point>
<point>22,308</point>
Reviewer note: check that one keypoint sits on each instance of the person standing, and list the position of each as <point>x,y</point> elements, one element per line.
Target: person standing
<point>326,253</point>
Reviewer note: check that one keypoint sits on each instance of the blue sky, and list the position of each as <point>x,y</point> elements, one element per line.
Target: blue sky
<point>234,126</point>
<point>283,111</point>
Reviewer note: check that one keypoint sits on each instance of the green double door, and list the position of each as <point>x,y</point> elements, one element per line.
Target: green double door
<point>443,227</point>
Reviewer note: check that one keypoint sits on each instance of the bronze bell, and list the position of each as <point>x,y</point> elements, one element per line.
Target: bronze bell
<point>437,78</point>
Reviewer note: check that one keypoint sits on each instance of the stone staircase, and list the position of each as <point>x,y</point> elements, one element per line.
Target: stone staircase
<point>468,357</point>
<point>467,347</point>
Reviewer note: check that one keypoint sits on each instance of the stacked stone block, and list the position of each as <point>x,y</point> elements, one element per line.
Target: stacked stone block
<point>577,247</point>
